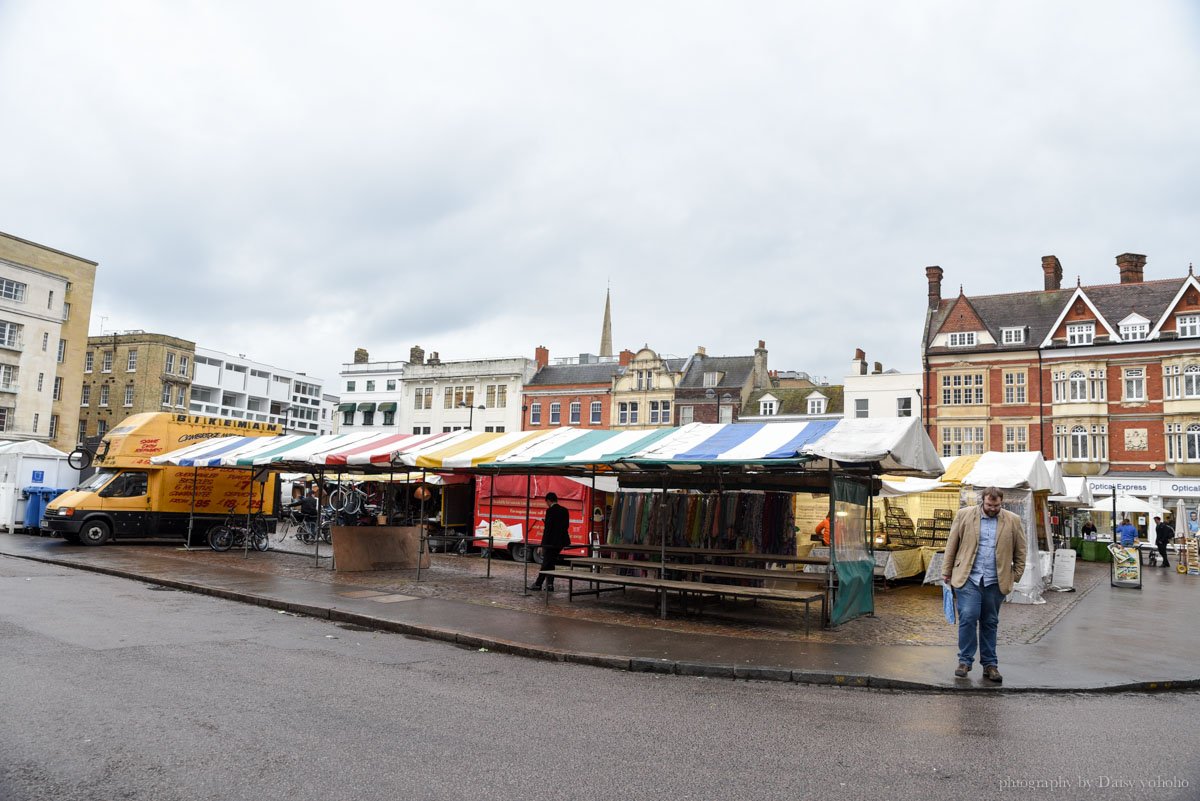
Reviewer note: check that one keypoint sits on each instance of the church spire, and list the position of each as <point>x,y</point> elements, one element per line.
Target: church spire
<point>606,332</point>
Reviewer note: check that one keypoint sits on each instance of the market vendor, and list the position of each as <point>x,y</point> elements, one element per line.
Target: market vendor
<point>822,530</point>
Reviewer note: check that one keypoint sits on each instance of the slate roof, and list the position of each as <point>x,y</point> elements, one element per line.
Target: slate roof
<point>1038,310</point>
<point>553,375</point>
<point>738,371</point>
<point>794,400</point>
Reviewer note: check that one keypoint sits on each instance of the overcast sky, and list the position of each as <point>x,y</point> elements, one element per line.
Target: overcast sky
<point>294,180</point>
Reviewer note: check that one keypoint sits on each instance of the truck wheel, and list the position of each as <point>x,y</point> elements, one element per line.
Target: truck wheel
<point>519,553</point>
<point>537,555</point>
<point>94,532</point>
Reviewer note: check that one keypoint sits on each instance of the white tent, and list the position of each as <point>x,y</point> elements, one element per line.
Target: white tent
<point>29,463</point>
<point>1078,493</point>
<point>1126,504</point>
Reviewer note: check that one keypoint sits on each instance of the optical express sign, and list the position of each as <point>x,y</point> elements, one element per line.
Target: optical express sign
<point>1147,487</point>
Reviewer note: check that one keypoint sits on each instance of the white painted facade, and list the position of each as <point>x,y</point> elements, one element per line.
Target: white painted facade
<point>433,396</point>
<point>234,386</point>
<point>881,394</point>
<point>31,318</point>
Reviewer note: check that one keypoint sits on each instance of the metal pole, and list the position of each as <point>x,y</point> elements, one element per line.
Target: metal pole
<point>833,534</point>
<point>421,529</point>
<point>249,505</point>
<point>491,522</point>
<point>317,538</point>
<point>187,543</point>
<point>528,555</point>
<point>662,559</point>
<point>592,517</point>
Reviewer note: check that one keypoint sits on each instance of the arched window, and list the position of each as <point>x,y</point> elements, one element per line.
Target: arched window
<point>1078,384</point>
<point>1191,381</point>
<point>1079,443</point>
<point>1193,442</point>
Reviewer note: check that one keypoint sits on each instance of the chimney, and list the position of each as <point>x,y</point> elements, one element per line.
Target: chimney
<point>625,357</point>
<point>1052,270</point>
<point>416,355</point>
<point>700,351</point>
<point>934,274</point>
<point>1131,266</point>
<point>361,356</point>
<point>762,376</point>
<point>433,358</point>
<point>541,355</point>
<point>878,369</point>
<point>858,365</point>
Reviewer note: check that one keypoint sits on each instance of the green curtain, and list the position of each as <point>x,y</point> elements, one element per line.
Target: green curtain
<point>850,553</point>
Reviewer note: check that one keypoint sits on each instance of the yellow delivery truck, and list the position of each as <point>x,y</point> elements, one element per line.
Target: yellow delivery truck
<point>128,497</point>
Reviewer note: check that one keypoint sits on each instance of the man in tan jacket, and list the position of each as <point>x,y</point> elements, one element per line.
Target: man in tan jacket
<point>985,555</point>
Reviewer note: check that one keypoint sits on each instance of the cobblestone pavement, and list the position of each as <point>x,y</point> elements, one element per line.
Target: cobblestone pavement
<point>906,614</point>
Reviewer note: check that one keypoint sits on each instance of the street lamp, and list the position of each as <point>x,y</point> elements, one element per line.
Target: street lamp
<point>287,410</point>
<point>471,417</point>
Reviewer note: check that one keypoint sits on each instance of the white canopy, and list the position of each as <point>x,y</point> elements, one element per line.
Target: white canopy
<point>1126,504</point>
<point>31,447</point>
<point>1078,493</point>
<point>1016,470</point>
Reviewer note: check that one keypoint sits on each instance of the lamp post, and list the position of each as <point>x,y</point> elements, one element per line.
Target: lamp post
<point>287,410</point>
<point>471,417</point>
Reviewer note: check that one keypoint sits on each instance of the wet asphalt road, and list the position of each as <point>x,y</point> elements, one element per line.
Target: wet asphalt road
<point>111,689</point>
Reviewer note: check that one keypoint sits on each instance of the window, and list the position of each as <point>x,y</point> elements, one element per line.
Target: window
<point>82,428</point>
<point>104,394</point>
<point>89,360</point>
<point>1135,384</point>
<point>171,362</point>
<point>423,398</point>
<point>53,426</point>
<point>36,418</point>
<point>1188,325</point>
<point>66,311</point>
<point>14,290</point>
<point>1191,381</point>
<point>665,412</point>
<point>904,407</point>
<point>131,361</point>
<point>654,412</point>
<point>633,413</point>
<point>350,386</point>
<point>493,429</point>
<point>41,381</point>
<point>1081,333</point>
<point>85,395</point>
<point>10,334</point>
<point>1077,383</point>
<point>965,339</point>
<point>8,376</point>
<point>348,417</point>
<point>370,386</point>
<point>368,418</point>
<point>56,393</point>
<point>391,385</point>
<point>101,427</point>
<point>183,365</point>
<point>50,299</point>
<point>389,418</point>
<point>962,389</point>
<point>180,391</point>
<point>45,341</point>
<point>962,440</point>
<point>62,350</point>
<point>106,361</point>
<point>766,407</point>
<point>535,414</point>
<point>1014,387</point>
<point>712,379</point>
<point>862,407</point>
<point>1016,438</point>
<point>420,429</point>
<point>816,405</point>
<point>1193,443</point>
<point>129,394</point>
<point>1012,336</point>
<point>555,413</point>
<point>166,395</point>
<point>597,413</point>
<point>1132,332</point>
<point>725,414</point>
<point>4,420</point>
<point>576,409</point>
<point>623,414</point>
<point>1081,443</point>
<point>497,396</point>
<point>454,396</point>
<point>686,415</point>
<point>643,379</point>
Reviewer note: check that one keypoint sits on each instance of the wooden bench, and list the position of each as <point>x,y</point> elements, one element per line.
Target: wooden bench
<point>600,562</point>
<point>684,588</point>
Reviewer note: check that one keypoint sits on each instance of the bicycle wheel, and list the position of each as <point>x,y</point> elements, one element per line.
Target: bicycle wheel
<point>338,500</point>
<point>220,538</point>
<point>354,502</point>
<point>326,533</point>
<point>259,540</point>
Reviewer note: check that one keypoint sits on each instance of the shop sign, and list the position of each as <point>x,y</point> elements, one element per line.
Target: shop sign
<point>1147,487</point>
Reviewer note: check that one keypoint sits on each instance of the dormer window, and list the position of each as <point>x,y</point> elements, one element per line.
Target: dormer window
<point>1188,325</point>
<point>1134,331</point>
<point>1012,336</point>
<point>816,405</point>
<point>1081,333</point>
<point>963,339</point>
<point>712,379</point>
<point>766,407</point>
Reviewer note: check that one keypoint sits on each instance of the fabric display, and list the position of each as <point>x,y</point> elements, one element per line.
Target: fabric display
<point>755,522</point>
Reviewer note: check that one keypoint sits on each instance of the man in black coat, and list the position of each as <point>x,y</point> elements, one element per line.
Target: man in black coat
<point>555,537</point>
<point>1163,534</point>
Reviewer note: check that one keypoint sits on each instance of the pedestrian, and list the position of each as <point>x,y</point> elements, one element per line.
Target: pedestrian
<point>985,556</point>
<point>1163,534</point>
<point>555,537</point>
<point>1126,532</point>
<point>1089,530</point>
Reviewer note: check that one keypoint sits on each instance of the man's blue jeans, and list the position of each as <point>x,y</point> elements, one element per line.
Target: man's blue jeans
<point>978,610</point>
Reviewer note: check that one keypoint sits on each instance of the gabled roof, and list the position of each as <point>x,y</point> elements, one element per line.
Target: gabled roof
<point>1078,294</point>
<point>553,375</point>
<point>794,400</point>
<point>736,370</point>
<point>1190,281</point>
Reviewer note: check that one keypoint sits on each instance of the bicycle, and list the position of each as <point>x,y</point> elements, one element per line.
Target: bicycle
<point>307,529</point>
<point>350,500</point>
<point>234,532</point>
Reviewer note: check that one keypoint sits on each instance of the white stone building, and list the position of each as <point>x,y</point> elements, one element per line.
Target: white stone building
<point>31,350</point>
<point>878,393</point>
<point>234,386</point>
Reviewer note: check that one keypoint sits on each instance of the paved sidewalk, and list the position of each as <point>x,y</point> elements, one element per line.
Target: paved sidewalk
<point>1107,639</point>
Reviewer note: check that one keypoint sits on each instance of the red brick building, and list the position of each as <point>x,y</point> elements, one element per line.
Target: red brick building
<point>1104,378</point>
<point>571,392</point>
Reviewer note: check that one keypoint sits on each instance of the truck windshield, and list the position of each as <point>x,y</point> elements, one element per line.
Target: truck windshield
<point>97,481</point>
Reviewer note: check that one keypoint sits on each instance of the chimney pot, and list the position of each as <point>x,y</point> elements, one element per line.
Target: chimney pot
<point>416,355</point>
<point>859,354</point>
<point>434,359</point>
<point>934,276</point>
<point>1131,267</point>
<point>878,368</point>
<point>1052,271</point>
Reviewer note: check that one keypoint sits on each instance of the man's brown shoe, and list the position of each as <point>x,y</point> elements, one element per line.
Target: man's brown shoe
<point>992,673</point>
<point>962,670</point>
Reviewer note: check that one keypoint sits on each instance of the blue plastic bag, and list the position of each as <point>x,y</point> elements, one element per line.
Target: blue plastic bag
<point>948,602</point>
